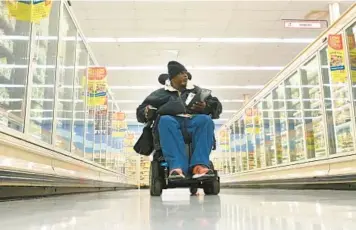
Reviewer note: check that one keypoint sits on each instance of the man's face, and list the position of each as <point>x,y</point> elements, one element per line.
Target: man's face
<point>181,79</point>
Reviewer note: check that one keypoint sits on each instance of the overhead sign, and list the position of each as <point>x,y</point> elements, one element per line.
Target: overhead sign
<point>303,24</point>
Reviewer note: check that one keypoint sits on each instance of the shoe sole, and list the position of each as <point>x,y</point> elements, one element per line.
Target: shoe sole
<point>175,178</point>
<point>204,177</point>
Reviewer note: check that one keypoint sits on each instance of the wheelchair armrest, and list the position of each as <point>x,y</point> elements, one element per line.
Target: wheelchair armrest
<point>151,114</point>
<point>214,143</point>
<point>157,145</point>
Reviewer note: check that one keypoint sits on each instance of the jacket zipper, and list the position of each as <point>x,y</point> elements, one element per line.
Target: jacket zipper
<point>181,100</point>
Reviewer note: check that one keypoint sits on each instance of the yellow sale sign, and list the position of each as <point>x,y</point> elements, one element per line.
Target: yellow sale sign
<point>337,58</point>
<point>29,10</point>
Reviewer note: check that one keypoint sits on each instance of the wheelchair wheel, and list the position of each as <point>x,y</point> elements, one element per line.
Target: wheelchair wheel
<point>156,184</point>
<point>212,188</point>
<point>193,190</point>
<point>211,165</point>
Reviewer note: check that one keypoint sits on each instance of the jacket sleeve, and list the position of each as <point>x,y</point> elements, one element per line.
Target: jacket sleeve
<point>140,111</point>
<point>213,107</point>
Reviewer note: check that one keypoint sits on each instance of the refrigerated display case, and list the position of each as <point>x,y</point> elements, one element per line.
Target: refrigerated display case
<point>269,131</point>
<point>337,109</point>
<point>281,131</point>
<point>295,117</point>
<point>313,111</point>
<point>45,100</point>
<point>259,138</point>
<point>307,113</point>
<point>243,144</point>
<point>250,138</point>
<point>144,171</point>
<point>233,153</point>
<point>12,52</point>
<point>237,145</point>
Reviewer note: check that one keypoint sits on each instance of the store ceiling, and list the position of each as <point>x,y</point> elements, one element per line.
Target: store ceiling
<point>103,21</point>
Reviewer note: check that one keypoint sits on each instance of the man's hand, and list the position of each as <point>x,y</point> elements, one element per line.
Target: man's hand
<point>199,106</point>
<point>146,111</point>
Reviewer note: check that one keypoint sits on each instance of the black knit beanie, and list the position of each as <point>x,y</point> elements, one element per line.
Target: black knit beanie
<point>175,68</point>
<point>189,76</point>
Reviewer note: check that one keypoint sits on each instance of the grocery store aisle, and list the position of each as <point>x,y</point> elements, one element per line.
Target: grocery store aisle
<point>176,209</point>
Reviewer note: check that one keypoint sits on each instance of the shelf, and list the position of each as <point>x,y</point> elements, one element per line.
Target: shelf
<point>344,125</point>
<point>6,53</point>
<point>5,25</point>
<point>342,107</point>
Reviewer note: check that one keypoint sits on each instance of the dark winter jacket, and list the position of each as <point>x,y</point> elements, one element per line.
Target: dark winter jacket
<point>168,102</point>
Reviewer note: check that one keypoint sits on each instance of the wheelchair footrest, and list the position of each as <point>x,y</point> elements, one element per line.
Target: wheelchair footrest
<point>190,180</point>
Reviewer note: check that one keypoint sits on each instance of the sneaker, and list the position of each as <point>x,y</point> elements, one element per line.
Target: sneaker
<point>202,172</point>
<point>176,174</point>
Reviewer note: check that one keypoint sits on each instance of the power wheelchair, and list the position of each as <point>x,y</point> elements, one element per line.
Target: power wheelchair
<point>159,170</point>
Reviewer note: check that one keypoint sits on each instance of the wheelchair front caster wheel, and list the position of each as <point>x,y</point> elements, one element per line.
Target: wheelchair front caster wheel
<point>212,188</point>
<point>156,184</point>
<point>156,188</point>
<point>193,191</point>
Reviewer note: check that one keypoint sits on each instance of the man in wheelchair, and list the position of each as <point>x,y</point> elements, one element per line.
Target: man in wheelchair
<point>178,116</point>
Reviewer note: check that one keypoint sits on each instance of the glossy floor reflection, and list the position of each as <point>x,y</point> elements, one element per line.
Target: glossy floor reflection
<point>176,209</point>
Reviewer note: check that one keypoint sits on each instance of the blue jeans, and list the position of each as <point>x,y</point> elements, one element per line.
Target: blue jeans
<point>172,143</point>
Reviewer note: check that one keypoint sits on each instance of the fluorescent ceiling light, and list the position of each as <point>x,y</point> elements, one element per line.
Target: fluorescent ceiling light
<point>127,101</point>
<point>162,67</point>
<point>82,119</point>
<point>129,87</point>
<point>234,68</point>
<point>230,111</point>
<point>125,111</point>
<point>156,68</point>
<point>197,40</point>
<point>257,40</point>
<point>221,120</point>
<point>134,111</point>
<point>164,39</point>
<point>119,101</point>
<point>211,68</point>
<point>234,86</point>
<point>139,101</point>
<point>232,101</point>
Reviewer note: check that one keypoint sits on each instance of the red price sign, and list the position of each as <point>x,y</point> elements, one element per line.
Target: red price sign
<point>251,112</point>
<point>119,116</point>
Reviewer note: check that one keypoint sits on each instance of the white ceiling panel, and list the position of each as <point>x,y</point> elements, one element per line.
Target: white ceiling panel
<point>255,15</point>
<point>236,25</point>
<point>204,14</point>
<point>159,24</point>
<point>308,6</point>
<point>107,14</point>
<point>144,14</point>
<point>262,5</point>
<point>123,24</point>
<point>293,14</point>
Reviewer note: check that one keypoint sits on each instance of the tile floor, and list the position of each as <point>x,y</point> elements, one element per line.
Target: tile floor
<point>176,209</point>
